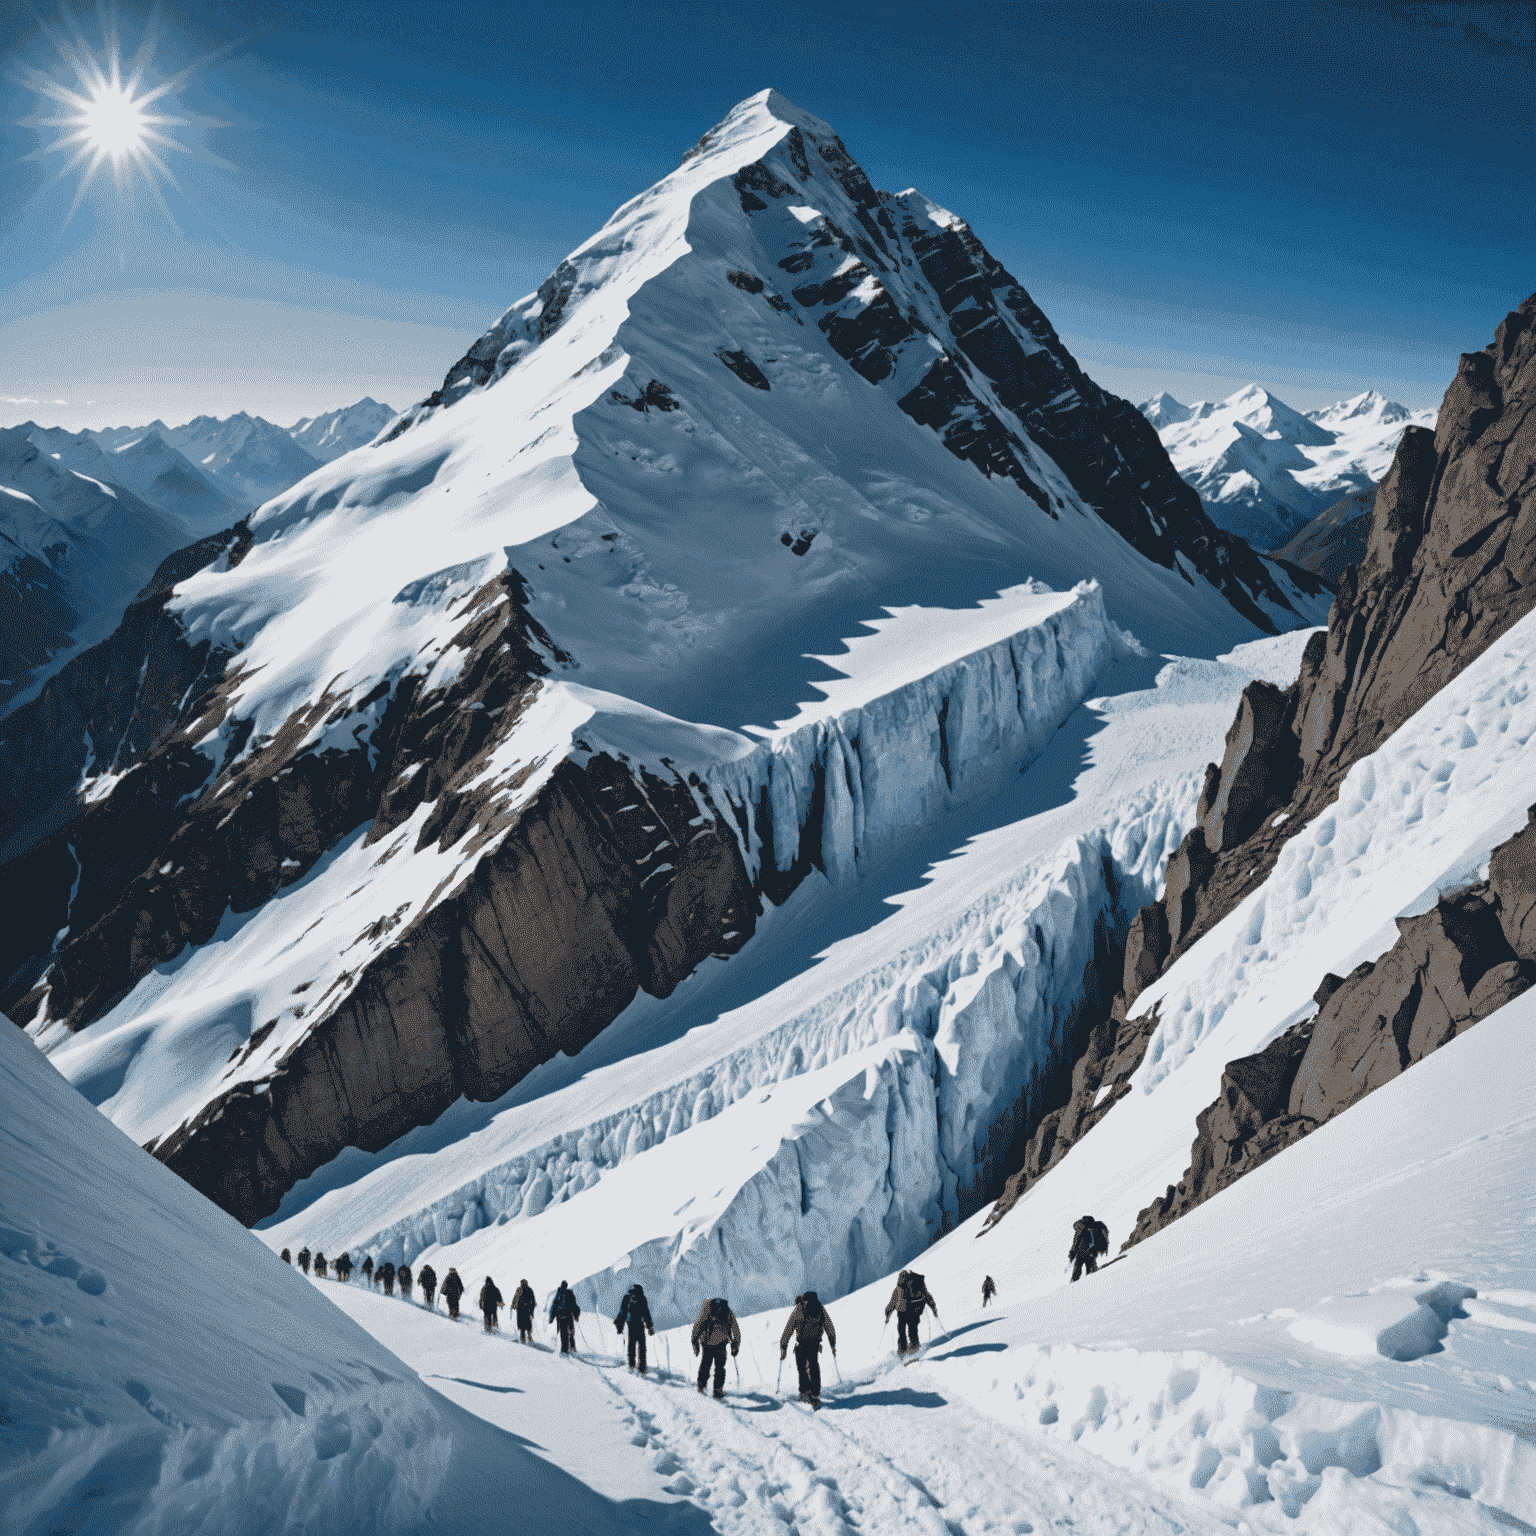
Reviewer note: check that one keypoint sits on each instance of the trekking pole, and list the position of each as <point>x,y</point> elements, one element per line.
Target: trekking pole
<point>777,1379</point>
<point>881,1339</point>
<point>737,1366</point>
<point>836,1367</point>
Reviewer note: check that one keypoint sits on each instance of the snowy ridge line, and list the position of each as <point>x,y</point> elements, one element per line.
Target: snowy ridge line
<point>982,1007</point>
<point>1188,1420</point>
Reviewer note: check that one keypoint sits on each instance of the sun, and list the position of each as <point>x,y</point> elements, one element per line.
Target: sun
<point>108,116</point>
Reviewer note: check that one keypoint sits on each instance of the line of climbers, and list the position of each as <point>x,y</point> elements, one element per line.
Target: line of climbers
<point>715,1330</point>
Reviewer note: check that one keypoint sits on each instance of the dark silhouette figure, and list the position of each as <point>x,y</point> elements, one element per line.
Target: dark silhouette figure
<point>988,1290</point>
<point>714,1329</point>
<point>403,1275</point>
<point>807,1323</point>
<point>287,1257</point>
<point>635,1314</point>
<point>453,1288</point>
<point>387,1275</point>
<point>427,1280</point>
<point>368,1268</point>
<point>490,1303</point>
<point>525,1304</point>
<point>304,1260</point>
<point>563,1313</point>
<point>344,1268</point>
<point>1090,1238</point>
<point>907,1302</point>
<point>319,1266</point>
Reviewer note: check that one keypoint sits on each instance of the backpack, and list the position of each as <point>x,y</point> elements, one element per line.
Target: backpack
<point>1100,1237</point>
<point>720,1311</point>
<point>915,1292</point>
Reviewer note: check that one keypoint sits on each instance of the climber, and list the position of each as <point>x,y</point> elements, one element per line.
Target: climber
<point>988,1289</point>
<point>635,1312</point>
<point>907,1302</point>
<point>426,1278</point>
<point>403,1275</point>
<point>344,1268</point>
<point>287,1257</point>
<point>714,1329</point>
<point>368,1268</point>
<point>490,1303</point>
<point>453,1288</point>
<point>524,1303</point>
<point>807,1323</point>
<point>563,1313</point>
<point>388,1273</point>
<point>304,1260</point>
<point>1090,1238</point>
<point>319,1265</point>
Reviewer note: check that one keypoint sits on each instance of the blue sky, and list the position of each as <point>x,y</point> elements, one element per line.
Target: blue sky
<point>1322,197</point>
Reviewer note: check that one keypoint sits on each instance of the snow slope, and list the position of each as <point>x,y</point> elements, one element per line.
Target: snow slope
<point>1263,470</point>
<point>846,1097</point>
<point>166,1373</point>
<point>1174,1391</point>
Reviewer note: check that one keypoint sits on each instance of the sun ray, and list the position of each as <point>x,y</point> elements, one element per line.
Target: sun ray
<point>113,113</point>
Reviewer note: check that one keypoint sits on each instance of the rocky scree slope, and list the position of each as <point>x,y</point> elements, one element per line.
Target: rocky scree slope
<point>1450,567</point>
<point>468,861</point>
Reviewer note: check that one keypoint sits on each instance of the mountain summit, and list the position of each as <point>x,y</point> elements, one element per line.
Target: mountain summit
<point>773,452</point>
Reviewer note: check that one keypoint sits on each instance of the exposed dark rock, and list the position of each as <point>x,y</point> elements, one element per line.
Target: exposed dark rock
<point>35,619</point>
<point>655,393</point>
<point>798,543</point>
<point>1512,878</point>
<point>1334,540</point>
<point>744,369</point>
<point>1258,771</point>
<point>748,282</point>
<point>1450,968</point>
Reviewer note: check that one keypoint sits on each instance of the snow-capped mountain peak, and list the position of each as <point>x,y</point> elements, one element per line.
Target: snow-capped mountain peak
<point>334,433</point>
<point>1263,470</point>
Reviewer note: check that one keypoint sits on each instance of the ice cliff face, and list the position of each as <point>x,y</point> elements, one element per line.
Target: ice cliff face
<point>413,805</point>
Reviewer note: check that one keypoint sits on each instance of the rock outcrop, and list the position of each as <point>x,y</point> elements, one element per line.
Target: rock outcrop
<point>1333,540</point>
<point>1450,968</point>
<point>1449,567</point>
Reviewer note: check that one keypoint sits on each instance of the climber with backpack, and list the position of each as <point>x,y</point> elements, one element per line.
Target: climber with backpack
<point>635,1314</point>
<point>807,1323</point>
<point>714,1329</point>
<point>907,1302</point>
<point>988,1289</point>
<point>564,1312</point>
<point>1090,1238</point>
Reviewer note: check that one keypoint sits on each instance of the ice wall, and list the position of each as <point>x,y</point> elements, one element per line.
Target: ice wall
<point>936,1048</point>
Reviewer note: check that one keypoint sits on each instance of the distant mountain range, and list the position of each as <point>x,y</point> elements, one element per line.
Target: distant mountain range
<point>87,517</point>
<point>1265,471</point>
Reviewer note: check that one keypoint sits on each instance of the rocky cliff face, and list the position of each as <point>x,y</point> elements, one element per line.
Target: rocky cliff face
<point>1451,967</point>
<point>1449,567</point>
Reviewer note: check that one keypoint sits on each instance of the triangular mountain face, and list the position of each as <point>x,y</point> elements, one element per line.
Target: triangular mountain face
<point>407,801</point>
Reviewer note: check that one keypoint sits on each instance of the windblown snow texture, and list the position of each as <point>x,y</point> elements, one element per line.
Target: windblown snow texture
<point>442,798</point>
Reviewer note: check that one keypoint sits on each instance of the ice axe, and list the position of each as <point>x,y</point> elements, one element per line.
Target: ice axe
<point>836,1367</point>
<point>736,1365</point>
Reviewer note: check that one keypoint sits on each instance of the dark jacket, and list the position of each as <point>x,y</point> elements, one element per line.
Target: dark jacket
<point>453,1287</point>
<point>368,1264</point>
<point>344,1265</point>
<point>287,1257</point>
<point>635,1311</point>
<point>490,1297</point>
<point>807,1323</point>
<point>427,1279</point>
<point>1088,1237</point>
<point>910,1295</point>
<point>564,1305</point>
<point>524,1300</point>
<point>716,1324</point>
<point>403,1275</point>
